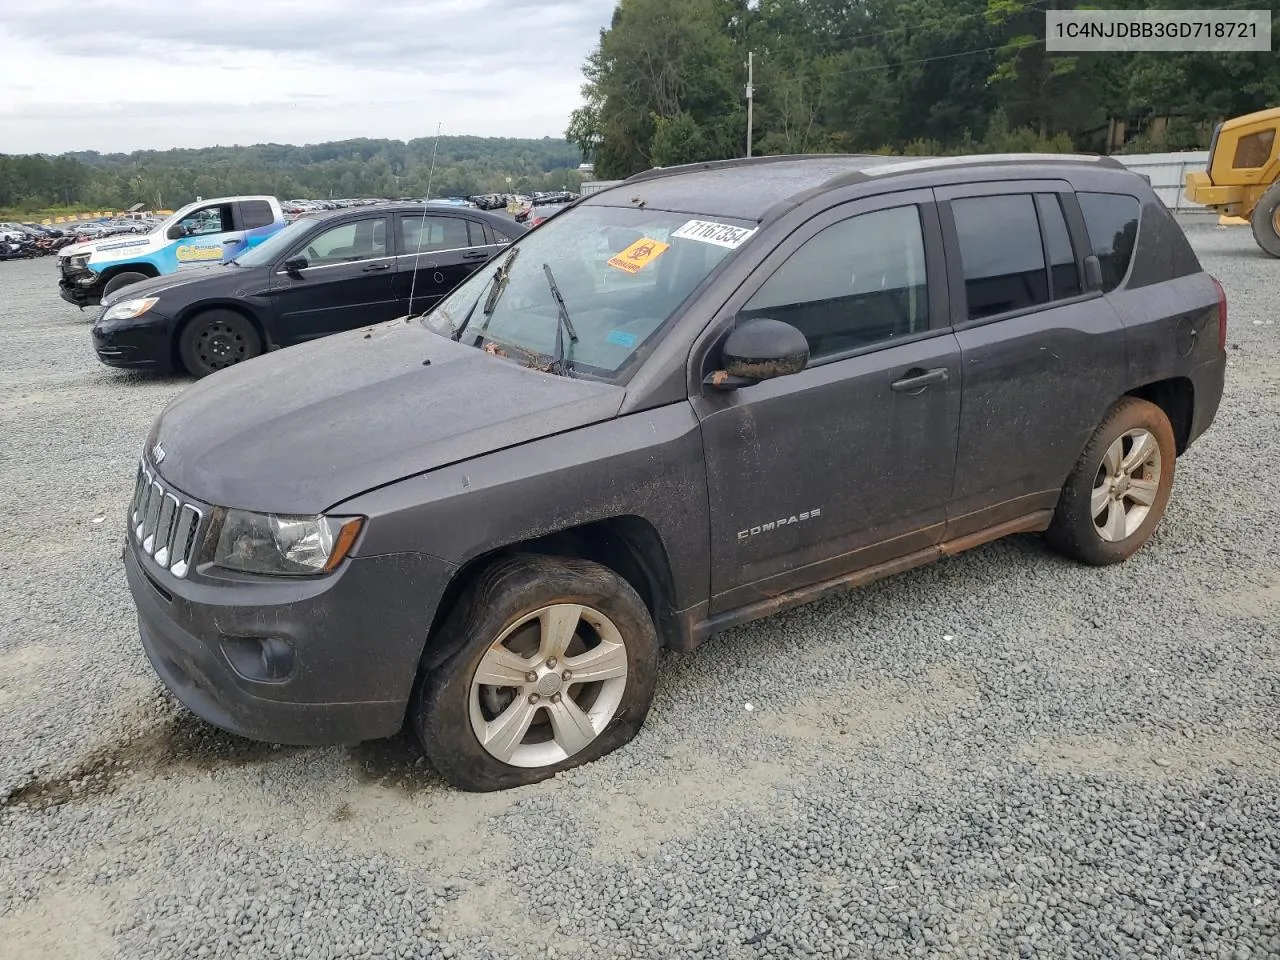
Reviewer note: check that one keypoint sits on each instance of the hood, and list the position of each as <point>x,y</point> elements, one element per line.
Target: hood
<point>302,429</point>
<point>154,286</point>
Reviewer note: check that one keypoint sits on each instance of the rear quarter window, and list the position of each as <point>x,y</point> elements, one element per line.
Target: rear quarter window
<point>1112,221</point>
<point>256,213</point>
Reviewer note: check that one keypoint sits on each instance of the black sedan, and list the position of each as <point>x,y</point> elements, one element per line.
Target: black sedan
<point>323,273</point>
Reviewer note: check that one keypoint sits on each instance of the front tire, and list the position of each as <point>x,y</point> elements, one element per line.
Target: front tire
<point>552,663</point>
<point>122,280</point>
<point>1266,221</point>
<point>1118,490</point>
<point>217,339</point>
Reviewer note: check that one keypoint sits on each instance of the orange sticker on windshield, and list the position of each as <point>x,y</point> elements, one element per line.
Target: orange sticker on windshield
<point>639,255</point>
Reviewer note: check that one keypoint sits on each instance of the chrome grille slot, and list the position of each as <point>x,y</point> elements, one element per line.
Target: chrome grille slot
<point>166,528</point>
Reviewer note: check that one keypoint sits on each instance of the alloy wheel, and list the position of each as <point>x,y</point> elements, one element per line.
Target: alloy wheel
<point>1126,485</point>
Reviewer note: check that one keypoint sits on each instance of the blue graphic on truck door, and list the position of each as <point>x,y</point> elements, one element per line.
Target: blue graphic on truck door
<point>204,236</point>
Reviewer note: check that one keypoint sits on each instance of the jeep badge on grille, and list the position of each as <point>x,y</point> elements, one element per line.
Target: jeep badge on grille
<point>157,452</point>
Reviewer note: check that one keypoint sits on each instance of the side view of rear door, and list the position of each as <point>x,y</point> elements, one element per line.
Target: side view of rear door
<point>436,252</point>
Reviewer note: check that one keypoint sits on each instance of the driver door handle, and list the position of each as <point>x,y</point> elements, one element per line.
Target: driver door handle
<point>475,255</point>
<point>374,267</point>
<point>916,379</point>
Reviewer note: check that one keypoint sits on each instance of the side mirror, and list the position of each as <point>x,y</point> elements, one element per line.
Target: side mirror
<point>296,264</point>
<point>1092,273</point>
<point>760,349</point>
<point>174,232</point>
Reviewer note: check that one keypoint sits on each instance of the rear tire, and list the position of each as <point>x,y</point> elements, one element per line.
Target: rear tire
<point>535,621</point>
<point>1266,221</point>
<point>216,339</point>
<point>1118,489</point>
<point>122,280</point>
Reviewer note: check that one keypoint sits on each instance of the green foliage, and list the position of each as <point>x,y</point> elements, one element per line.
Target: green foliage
<point>904,76</point>
<point>350,168</point>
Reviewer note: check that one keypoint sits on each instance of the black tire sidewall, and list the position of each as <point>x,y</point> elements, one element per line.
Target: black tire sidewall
<point>129,277</point>
<point>187,340</point>
<point>1072,531</point>
<point>1263,221</point>
<point>506,591</point>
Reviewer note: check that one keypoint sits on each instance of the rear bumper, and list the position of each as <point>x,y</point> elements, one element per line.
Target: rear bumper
<point>1207,382</point>
<point>355,655</point>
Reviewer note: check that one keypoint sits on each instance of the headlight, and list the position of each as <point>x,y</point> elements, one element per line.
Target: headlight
<point>283,545</point>
<point>128,309</point>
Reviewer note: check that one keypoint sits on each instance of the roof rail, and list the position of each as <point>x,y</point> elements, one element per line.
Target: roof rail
<point>659,172</point>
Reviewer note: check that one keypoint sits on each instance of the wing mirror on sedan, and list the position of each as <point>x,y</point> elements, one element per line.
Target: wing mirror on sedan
<point>296,264</point>
<point>759,349</point>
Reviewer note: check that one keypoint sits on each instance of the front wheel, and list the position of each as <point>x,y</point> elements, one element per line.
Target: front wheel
<point>216,339</point>
<point>552,664</point>
<point>1266,221</point>
<point>1118,490</point>
<point>122,280</point>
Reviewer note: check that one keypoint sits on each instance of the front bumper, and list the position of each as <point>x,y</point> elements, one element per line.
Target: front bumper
<point>82,288</point>
<point>357,636</point>
<point>143,343</point>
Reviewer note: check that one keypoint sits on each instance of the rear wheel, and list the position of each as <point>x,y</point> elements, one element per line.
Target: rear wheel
<point>552,663</point>
<point>1266,221</point>
<point>216,339</point>
<point>1117,492</point>
<point>122,280</point>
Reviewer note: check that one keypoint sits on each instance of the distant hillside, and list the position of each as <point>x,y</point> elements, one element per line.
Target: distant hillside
<point>347,168</point>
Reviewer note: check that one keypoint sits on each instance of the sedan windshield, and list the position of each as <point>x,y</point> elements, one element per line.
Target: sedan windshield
<point>275,245</point>
<point>622,273</point>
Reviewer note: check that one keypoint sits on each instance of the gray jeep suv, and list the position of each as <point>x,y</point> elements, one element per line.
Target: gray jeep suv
<point>688,401</point>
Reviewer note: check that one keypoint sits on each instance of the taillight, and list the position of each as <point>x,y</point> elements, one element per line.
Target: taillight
<point>1222,314</point>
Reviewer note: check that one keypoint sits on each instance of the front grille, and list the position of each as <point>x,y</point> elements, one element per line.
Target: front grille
<point>163,525</point>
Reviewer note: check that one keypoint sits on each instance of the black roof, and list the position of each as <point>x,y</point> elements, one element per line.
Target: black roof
<point>748,188</point>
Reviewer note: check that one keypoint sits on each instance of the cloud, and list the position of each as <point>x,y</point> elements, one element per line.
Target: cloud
<point>129,74</point>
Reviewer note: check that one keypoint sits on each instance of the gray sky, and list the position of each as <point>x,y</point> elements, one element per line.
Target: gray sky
<point>121,75</point>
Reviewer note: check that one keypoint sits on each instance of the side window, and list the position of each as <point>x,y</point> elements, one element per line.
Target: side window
<point>1112,219</point>
<point>858,282</point>
<point>476,230</point>
<point>357,240</point>
<point>1001,254</point>
<point>1064,275</point>
<point>1254,150</point>
<point>206,220</point>
<point>256,213</point>
<point>427,234</point>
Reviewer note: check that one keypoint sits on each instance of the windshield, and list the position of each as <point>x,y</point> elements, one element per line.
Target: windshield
<point>275,245</point>
<point>622,273</point>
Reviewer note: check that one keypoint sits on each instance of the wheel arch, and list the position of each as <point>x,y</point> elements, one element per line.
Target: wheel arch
<point>115,269</point>
<point>1176,397</point>
<point>628,545</point>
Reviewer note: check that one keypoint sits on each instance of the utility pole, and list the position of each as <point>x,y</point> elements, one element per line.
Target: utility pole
<point>751,57</point>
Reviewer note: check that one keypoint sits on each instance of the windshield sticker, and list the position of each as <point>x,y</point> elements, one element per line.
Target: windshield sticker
<point>639,255</point>
<point>620,338</point>
<point>708,231</point>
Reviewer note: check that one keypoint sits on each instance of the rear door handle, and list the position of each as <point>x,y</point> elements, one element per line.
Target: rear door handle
<point>374,267</point>
<point>475,255</point>
<point>917,379</point>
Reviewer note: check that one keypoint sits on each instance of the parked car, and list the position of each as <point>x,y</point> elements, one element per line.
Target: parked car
<point>324,273</point>
<point>204,232</point>
<point>643,427</point>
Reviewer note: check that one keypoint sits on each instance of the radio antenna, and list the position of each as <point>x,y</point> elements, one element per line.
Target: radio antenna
<point>422,228</point>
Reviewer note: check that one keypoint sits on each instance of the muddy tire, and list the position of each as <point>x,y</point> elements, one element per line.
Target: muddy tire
<point>1266,221</point>
<point>570,656</point>
<point>216,339</point>
<point>1118,489</point>
<point>122,280</point>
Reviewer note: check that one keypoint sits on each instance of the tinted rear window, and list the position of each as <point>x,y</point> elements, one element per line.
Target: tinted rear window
<point>256,213</point>
<point>1001,253</point>
<point>1112,219</point>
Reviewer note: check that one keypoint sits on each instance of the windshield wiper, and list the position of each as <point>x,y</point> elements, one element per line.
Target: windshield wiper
<point>559,362</point>
<point>496,288</point>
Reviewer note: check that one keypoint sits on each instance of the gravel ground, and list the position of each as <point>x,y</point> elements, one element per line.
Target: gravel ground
<point>1002,755</point>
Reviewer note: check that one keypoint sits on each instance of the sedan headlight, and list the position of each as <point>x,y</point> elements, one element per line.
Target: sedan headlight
<point>277,545</point>
<point>128,309</point>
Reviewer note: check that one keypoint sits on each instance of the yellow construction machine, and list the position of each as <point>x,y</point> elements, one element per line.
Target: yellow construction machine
<point>1242,177</point>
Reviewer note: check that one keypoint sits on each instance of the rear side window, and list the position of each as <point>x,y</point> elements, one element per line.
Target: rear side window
<point>1001,253</point>
<point>1064,276</point>
<point>1112,219</point>
<point>427,234</point>
<point>256,213</point>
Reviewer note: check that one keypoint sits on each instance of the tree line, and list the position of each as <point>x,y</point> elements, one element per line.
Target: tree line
<point>160,179</point>
<point>666,82</point>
